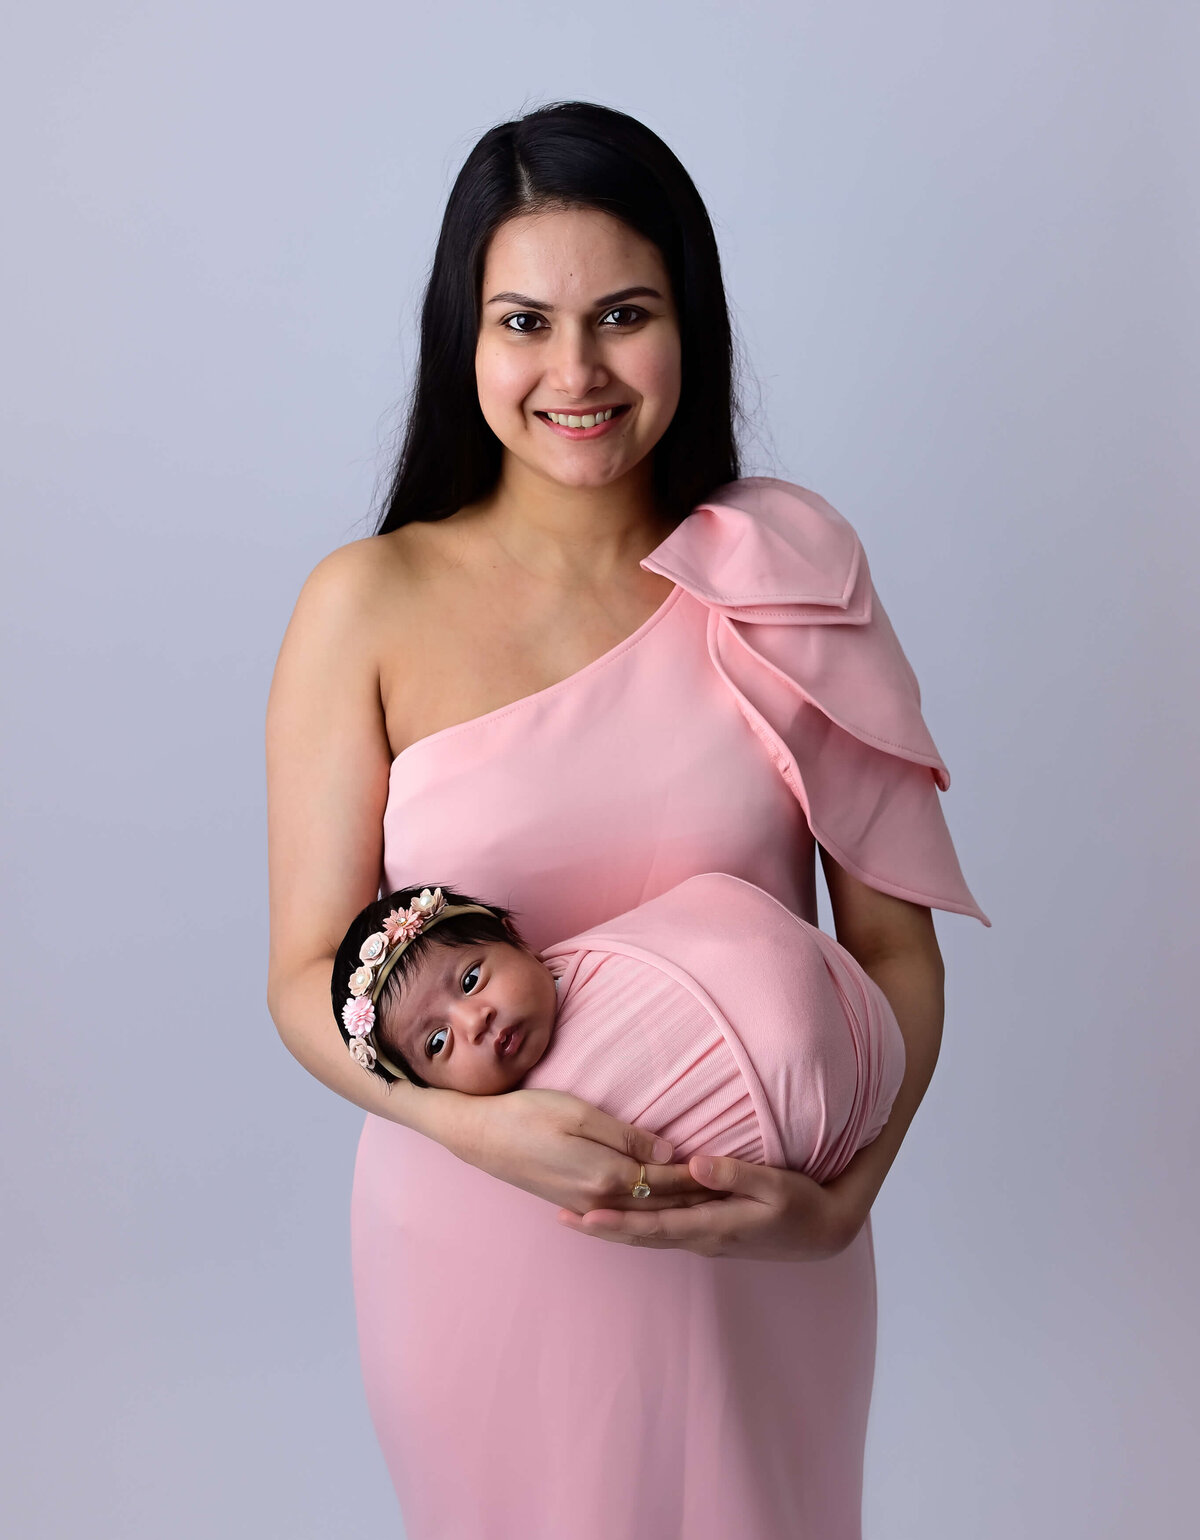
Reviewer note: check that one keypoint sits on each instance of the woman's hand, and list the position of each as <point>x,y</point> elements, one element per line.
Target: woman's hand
<point>566,1151</point>
<point>754,1212</point>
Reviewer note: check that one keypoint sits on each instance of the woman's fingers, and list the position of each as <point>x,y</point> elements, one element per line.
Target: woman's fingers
<point>756,1211</point>
<point>671,1181</point>
<point>722,1173</point>
<point>703,1228</point>
<point>670,1186</point>
<point>558,1147</point>
<point>638,1143</point>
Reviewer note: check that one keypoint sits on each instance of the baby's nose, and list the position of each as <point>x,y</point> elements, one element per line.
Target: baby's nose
<point>475,1018</point>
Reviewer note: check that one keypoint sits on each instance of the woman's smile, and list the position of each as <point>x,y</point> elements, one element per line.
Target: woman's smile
<point>584,425</point>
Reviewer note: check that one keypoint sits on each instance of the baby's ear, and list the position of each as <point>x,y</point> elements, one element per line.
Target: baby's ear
<point>513,934</point>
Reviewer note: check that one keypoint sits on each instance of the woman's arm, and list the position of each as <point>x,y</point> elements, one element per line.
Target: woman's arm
<point>328,765</point>
<point>895,943</point>
<point>328,762</point>
<point>768,1212</point>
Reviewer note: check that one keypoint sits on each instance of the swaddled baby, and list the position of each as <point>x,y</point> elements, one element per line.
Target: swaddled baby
<point>711,1015</point>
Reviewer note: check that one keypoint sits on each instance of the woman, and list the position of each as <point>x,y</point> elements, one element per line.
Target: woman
<point>580,662</point>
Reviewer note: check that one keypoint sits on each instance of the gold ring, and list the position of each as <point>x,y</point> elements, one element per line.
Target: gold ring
<point>641,1188</point>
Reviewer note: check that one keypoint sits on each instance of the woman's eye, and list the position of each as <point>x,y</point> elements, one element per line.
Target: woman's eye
<point>436,1043</point>
<point>470,979</point>
<point>630,314</point>
<point>523,323</point>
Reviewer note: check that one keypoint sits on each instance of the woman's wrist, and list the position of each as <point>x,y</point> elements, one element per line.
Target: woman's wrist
<point>450,1118</point>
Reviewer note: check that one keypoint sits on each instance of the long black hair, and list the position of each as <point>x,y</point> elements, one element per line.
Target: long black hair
<point>572,154</point>
<point>461,930</point>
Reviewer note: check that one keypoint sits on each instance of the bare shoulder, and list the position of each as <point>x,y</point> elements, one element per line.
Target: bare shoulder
<point>364,585</point>
<point>349,580</point>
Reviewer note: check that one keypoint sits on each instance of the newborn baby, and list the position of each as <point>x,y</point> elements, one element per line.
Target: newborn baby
<point>711,1015</point>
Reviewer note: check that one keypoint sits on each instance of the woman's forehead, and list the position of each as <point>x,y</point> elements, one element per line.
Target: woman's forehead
<point>569,257</point>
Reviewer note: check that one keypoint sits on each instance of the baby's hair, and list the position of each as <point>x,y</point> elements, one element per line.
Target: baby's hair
<point>461,930</point>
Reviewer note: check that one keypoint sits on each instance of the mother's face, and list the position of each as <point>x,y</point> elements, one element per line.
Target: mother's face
<point>577,363</point>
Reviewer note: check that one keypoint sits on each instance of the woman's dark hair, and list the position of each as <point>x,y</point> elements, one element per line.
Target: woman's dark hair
<point>572,154</point>
<point>460,930</point>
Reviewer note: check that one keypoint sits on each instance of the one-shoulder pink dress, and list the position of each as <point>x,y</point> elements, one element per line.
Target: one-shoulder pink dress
<point>529,1383</point>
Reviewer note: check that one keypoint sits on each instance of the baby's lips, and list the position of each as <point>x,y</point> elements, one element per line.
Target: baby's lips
<point>504,1038</point>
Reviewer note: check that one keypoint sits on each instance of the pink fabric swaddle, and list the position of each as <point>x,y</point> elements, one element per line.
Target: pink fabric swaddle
<point>715,1016</point>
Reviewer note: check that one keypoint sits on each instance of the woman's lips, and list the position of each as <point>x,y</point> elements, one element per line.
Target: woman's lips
<point>509,1042</point>
<point>597,430</point>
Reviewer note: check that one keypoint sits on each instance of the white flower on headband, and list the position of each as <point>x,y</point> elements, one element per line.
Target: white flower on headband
<point>360,979</point>
<point>358,1016</point>
<point>373,947</point>
<point>362,1052</point>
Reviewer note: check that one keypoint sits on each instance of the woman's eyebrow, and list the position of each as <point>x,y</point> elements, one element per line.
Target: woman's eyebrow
<point>638,291</point>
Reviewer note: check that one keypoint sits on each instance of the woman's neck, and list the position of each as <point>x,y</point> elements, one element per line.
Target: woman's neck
<point>559,531</point>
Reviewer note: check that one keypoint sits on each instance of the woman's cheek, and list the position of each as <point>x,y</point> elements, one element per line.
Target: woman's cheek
<point>503,382</point>
<point>659,378</point>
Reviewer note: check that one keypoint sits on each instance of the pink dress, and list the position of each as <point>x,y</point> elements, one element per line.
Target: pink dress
<point>718,1018</point>
<point>528,1383</point>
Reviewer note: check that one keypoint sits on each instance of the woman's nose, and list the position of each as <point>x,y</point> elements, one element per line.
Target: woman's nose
<point>575,363</point>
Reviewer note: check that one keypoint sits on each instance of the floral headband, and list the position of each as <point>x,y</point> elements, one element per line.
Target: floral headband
<point>378,955</point>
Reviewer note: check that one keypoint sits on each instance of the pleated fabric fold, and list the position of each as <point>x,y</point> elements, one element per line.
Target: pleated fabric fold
<point>715,1016</point>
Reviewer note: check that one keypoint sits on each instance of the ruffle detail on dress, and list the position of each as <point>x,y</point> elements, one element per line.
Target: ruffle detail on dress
<point>798,635</point>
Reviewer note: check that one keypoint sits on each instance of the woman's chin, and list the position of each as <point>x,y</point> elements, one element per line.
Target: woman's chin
<point>580,469</point>
<point>584,477</point>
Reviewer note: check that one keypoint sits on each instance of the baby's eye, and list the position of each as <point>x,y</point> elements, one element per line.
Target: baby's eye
<point>523,322</point>
<point>470,979</point>
<point>436,1043</point>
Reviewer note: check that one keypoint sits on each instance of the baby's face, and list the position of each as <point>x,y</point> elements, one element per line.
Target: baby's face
<point>474,1018</point>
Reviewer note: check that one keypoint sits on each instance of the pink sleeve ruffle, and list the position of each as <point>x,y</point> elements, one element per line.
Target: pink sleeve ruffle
<point>798,635</point>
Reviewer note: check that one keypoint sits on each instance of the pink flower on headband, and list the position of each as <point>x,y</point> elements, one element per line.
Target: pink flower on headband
<point>428,904</point>
<point>358,1016</point>
<point>401,925</point>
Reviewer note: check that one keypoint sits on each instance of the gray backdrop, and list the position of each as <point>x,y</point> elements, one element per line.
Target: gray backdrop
<point>956,241</point>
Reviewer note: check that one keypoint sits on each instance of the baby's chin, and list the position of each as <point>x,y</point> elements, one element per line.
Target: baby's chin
<point>531,1052</point>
